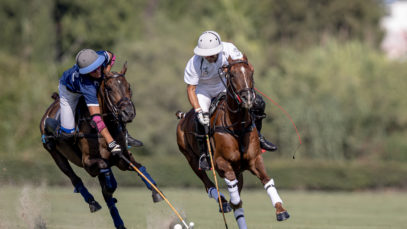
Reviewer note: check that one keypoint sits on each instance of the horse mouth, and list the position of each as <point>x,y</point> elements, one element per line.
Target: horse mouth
<point>247,100</point>
<point>128,113</point>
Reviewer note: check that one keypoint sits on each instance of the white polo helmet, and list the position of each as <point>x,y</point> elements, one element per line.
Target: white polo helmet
<point>209,44</point>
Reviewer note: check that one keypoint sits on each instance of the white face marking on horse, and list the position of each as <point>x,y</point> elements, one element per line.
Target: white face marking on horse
<point>243,70</point>
<point>119,82</point>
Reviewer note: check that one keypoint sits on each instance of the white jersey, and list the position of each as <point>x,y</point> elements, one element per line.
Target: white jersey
<point>205,75</point>
<point>200,72</point>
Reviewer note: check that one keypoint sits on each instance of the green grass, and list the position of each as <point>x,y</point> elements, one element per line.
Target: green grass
<point>20,206</point>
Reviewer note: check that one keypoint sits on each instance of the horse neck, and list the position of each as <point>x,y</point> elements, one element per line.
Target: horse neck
<point>101,98</point>
<point>104,109</point>
<point>235,113</point>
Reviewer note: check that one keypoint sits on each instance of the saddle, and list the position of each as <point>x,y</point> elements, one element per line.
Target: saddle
<point>215,101</point>
<point>52,126</point>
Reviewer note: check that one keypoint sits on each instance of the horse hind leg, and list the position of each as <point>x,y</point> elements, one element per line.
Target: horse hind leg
<point>79,187</point>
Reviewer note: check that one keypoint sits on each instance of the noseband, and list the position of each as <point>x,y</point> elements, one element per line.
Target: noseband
<point>114,108</point>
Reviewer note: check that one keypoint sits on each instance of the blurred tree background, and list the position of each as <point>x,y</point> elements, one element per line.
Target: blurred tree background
<point>320,60</point>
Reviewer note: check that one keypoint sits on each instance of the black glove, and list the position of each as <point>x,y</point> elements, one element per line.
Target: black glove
<point>115,149</point>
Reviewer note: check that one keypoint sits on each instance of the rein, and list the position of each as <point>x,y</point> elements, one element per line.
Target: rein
<point>113,108</point>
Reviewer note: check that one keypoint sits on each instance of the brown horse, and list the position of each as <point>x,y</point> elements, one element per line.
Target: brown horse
<point>235,140</point>
<point>88,149</point>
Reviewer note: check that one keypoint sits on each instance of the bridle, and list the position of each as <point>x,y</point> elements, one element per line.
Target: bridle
<point>236,95</point>
<point>114,107</point>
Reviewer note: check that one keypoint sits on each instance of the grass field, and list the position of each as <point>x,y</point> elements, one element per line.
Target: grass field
<point>60,208</point>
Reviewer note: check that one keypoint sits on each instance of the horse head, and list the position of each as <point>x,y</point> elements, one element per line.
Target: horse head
<point>240,83</point>
<point>117,95</point>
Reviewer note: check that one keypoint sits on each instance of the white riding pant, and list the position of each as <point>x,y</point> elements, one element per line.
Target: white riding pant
<point>205,93</point>
<point>68,101</point>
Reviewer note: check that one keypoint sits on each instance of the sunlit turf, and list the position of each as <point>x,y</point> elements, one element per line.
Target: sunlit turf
<point>59,207</point>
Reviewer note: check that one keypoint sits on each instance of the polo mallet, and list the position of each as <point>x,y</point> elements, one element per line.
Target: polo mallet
<point>190,226</point>
<point>214,173</point>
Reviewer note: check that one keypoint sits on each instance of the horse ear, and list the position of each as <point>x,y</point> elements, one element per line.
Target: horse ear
<point>251,67</point>
<point>107,72</point>
<point>244,57</point>
<point>230,60</point>
<point>124,69</point>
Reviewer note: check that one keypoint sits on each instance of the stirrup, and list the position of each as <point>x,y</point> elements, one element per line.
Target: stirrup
<point>203,162</point>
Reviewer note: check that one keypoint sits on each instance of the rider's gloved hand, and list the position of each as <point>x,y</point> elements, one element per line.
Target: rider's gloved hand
<point>202,118</point>
<point>115,149</point>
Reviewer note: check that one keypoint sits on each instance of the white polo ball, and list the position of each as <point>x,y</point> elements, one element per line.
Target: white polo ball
<point>191,224</point>
<point>177,226</point>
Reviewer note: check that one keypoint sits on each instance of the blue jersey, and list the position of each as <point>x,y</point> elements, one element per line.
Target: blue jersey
<point>84,84</point>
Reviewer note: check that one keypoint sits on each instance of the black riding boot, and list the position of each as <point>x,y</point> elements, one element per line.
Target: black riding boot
<point>200,139</point>
<point>258,113</point>
<point>132,141</point>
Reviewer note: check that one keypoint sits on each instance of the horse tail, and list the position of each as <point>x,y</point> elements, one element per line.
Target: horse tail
<point>180,114</point>
<point>55,96</point>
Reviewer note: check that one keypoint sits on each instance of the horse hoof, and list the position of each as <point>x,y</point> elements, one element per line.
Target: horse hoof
<point>283,216</point>
<point>156,197</point>
<point>226,207</point>
<point>94,206</point>
<point>121,227</point>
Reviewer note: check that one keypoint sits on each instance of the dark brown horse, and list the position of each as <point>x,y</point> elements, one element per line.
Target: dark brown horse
<point>88,149</point>
<point>234,138</point>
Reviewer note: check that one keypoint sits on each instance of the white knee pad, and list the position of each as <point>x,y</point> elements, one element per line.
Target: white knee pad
<point>233,191</point>
<point>272,192</point>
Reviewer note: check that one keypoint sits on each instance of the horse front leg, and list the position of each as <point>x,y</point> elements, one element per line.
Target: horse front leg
<point>234,189</point>
<point>145,177</point>
<point>108,184</point>
<point>257,168</point>
<point>210,188</point>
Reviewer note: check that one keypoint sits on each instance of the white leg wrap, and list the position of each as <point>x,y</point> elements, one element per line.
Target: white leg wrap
<point>272,192</point>
<point>239,216</point>
<point>233,191</point>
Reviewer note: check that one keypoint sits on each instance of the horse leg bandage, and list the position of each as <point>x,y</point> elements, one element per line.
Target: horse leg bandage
<point>111,204</point>
<point>213,193</point>
<point>110,181</point>
<point>272,192</point>
<point>239,216</point>
<point>80,188</point>
<point>143,170</point>
<point>233,191</point>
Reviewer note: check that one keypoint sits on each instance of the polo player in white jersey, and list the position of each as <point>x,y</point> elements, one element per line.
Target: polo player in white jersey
<point>203,84</point>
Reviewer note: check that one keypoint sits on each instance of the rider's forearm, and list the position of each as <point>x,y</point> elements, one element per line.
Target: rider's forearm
<point>105,133</point>
<point>193,100</point>
<point>93,110</point>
